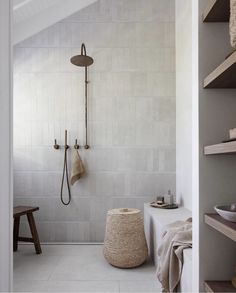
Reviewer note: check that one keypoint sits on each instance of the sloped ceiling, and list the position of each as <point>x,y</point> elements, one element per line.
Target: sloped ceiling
<point>33,16</point>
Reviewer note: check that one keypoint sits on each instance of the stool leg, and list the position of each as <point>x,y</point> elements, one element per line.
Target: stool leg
<point>34,233</point>
<point>16,233</point>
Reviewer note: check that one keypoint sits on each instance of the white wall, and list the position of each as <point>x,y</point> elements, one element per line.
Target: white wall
<point>217,184</point>
<point>184,112</point>
<point>131,114</point>
<point>6,148</point>
<point>187,119</point>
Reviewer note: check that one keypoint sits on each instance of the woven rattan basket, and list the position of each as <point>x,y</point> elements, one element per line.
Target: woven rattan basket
<point>125,245</point>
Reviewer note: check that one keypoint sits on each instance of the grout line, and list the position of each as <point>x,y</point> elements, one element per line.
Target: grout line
<point>67,243</point>
<point>91,197</point>
<point>111,172</point>
<point>96,48</point>
<point>161,147</point>
<point>112,21</point>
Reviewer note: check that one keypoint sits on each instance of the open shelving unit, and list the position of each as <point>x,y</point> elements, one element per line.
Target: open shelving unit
<point>217,11</point>
<point>229,230</point>
<point>221,148</point>
<point>219,286</point>
<point>218,223</point>
<point>224,76</point>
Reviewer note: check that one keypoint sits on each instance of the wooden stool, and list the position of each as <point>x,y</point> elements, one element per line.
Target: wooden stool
<point>28,211</point>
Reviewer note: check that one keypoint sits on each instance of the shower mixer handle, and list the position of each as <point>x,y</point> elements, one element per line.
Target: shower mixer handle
<point>56,146</point>
<point>76,146</point>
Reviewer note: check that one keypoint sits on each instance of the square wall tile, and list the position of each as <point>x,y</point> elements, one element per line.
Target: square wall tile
<point>97,231</point>
<point>99,207</point>
<point>71,232</point>
<point>78,210</point>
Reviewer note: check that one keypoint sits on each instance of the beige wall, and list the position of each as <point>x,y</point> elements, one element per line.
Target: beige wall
<point>131,114</point>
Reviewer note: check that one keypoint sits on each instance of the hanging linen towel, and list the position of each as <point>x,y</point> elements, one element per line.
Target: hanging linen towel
<point>77,167</point>
<point>176,237</point>
<point>232,23</point>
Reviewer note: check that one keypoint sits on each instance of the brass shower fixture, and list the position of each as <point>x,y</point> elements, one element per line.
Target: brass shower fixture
<point>83,60</point>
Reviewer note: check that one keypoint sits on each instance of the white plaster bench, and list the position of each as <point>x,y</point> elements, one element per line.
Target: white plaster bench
<point>154,222</point>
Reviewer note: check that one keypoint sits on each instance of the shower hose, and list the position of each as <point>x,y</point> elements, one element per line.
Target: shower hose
<point>65,172</point>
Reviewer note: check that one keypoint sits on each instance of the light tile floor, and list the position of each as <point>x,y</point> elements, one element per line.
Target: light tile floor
<point>77,268</point>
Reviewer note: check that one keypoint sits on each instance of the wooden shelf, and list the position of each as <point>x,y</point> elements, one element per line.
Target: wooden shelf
<point>224,76</point>
<point>218,223</point>
<point>219,286</point>
<point>221,148</point>
<point>217,11</point>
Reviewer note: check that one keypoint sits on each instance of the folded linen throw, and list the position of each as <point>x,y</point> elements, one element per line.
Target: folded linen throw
<point>232,23</point>
<point>176,237</point>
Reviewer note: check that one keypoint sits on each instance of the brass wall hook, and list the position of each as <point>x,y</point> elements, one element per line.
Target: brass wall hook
<point>56,146</point>
<point>76,146</point>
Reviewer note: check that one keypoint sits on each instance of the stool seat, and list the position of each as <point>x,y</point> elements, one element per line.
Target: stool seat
<point>28,211</point>
<point>23,210</point>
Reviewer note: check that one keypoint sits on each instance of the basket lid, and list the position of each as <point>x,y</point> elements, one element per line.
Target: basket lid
<point>124,211</point>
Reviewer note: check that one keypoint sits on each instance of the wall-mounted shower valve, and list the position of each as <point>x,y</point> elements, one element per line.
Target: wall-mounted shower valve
<point>56,146</point>
<point>76,146</point>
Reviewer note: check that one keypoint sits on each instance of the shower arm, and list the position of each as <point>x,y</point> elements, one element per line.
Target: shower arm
<point>83,50</point>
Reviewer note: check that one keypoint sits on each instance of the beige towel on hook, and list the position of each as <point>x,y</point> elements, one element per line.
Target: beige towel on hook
<point>232,23</point>
<point>77,167</point>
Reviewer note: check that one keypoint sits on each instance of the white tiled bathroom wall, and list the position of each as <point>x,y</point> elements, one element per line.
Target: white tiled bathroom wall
<point>131,114</point>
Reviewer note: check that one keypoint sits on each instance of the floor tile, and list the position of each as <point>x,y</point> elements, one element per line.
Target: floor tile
<point>34,267</point>
<point>92,268</point>
<point>77,268</point>
<point>140,286</point>
<point>66,286</point>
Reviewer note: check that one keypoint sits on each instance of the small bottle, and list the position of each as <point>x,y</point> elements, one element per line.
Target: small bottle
<point>169,198</point>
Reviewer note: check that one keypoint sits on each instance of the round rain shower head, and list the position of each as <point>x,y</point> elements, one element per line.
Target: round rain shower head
<point>82,60</point>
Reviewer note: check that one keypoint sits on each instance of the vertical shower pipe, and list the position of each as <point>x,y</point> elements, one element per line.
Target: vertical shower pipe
<point>83,60</point>
<point>86,107</point>
<point>84,53</point>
